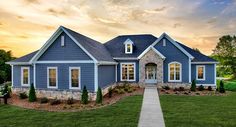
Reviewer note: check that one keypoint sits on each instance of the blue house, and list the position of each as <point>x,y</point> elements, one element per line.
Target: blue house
<point>68,61</point>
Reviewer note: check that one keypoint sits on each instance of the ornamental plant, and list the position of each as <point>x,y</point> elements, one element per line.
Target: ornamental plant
<point>84,96</point>
<point>32,94</point>
<point>222,88</point>
<point>193,85</point>
<point>99,96</point>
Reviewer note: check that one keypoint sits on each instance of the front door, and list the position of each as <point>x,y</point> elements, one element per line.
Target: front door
<point>151,73</point>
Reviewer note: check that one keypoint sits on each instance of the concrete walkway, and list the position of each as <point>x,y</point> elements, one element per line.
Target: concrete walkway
<point>151,113</point>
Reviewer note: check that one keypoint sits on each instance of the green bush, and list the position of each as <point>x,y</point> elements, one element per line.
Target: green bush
<point>6,90</point>
<point>55,102</point>
<point>121,91</point>
<point>32,94</point>
<point>23,95</point>
<point>99,95</point>
<point>222,89</point>
<point>110,92</point>
<point>84,97</point>
<point>201,88</point>
<point>166,87</point>
<point>193,85</point>
<point>44,100</point>
<point>130,90</point>
<point>70,101</point>
<point>209,88</point>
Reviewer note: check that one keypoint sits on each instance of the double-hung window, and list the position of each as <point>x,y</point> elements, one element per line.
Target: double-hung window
<point>25,76</point>
<point>127,71</point>
<point>200,72</point>
<point>52,81</point>
<point>175,72</point>
<point>74,77</point>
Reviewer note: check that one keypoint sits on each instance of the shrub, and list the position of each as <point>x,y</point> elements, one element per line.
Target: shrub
<point>110,92</point>
<point>166,87</point>
<point>201,88</point>
<point>44,100</point>
<point>99,95</point>
<point>6,90</point>
<point>32,94</point>
<point>222,89</point>
<point>193,85</point>
<point>55,102</point>
<point>130,90</point>
<point>121,91</point>
<point>84,97</point>
<point>70,101</point>
<point>209,88</point>
<point>23,95</point>
<point>181,88</point>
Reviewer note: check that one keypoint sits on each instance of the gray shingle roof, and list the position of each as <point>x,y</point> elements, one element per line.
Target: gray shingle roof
<point>25,58</point>
<point>117,48</point>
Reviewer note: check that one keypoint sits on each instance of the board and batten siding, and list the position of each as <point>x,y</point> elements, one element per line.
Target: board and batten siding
<point>173,54</point>
<point>70,51</point>
<point>87,75</point>
<point>17,75</point>
<point>106,75</point>
<point>209,74</point>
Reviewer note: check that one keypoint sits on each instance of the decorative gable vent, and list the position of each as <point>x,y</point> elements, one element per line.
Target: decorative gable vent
<point>164,42</point>
<point>62,40</point>
<point>128,46</point>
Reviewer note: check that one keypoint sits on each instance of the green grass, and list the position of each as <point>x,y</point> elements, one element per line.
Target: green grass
<point>199,111</point>
<point>125,113</point>
<point>230,85</point>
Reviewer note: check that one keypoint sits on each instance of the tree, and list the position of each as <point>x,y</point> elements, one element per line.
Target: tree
<point>196,49</point>
<point>222,88</point>
<point>84,97</point>
<point>225,52</point>
<point>99,95</point>
<point>193,85</point>
<point>32,94</point>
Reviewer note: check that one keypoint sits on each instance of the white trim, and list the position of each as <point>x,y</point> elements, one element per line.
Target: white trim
<point>128,41</point>
<point>70,85</point>
<point>204,72</point>
<point>62,40</point>
<point>174,43</point>
<point>116,72</point>
<point>215,73</point>
<point>107,63</point>
<point>34,76</point>
<point>149,48</point>
<point>206,84</point>
<point>126,48</point>
<point>180,72</point>
<point>54,87</point>
<point>21,77</point>
<point>18,63</point>
<point>204,62</point>
<point>95,77</point>
<point>70,61</point>
<point>127,71</point>
<point>189,71</point>
<point>12,67</point>
<point>125,58</point>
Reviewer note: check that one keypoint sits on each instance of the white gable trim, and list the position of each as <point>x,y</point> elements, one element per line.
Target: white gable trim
<point>173,42</point>
<point>125,58</point>
<point>52,39</point>
<point>204,62</point>
<point>128,41</point>
<point>149,48</point>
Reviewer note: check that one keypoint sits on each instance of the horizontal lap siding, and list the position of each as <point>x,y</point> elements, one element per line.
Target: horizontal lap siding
<point>106,75</point>
<point>17,75</point>
<point>128,61</point>
<point>70,51</point>
<point>209,74</point>
<point>172,53</point>
<point>87,75</point>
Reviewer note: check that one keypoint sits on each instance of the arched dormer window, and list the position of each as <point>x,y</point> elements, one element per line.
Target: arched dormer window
<point>128,46</point>
<point>174,72</point>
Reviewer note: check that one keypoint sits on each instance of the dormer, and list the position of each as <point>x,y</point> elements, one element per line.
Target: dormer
<point>128,46</point>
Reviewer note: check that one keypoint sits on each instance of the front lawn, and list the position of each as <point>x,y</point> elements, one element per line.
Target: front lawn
<point>125,113</point>
<point>199,111</point>
<point>230,85</point>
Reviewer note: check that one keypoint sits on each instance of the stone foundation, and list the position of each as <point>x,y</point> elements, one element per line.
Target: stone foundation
<point>174,85</point>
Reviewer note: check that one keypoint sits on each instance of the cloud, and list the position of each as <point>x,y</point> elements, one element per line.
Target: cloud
<point>31,1</point>
<point>212,20</point>
<point>177,25</point>
<point>56,12</point>
<point>4,46</point>
<point>20,17</point>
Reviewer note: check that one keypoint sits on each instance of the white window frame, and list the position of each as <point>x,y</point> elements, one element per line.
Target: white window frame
<point>22,76</point>
<point>180,72</point>
<point>62,40</point>
<point>70,85</point>
<point>131,48</point>
<point>54,87</point>
<point>128,71</point>
<point>204,72</point>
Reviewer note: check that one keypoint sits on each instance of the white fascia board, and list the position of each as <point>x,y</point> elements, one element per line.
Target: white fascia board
<point>149,48</point>
<point>128,41</point>
<point>204,62</point>
<point>68,61</point>
<point>18,63</point>
<point>107,63</point>
<point>174,43</point>
<point>125,58</point>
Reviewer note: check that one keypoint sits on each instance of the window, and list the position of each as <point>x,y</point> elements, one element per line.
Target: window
<point>200,72</point>
<point>74,77</point>
<point>128,48</point>
<point>52,77</point>
<point>127,71</point>
<point>62,40</point>
<point>164,42</point>
<point>174,72</point>
<point>25,76</point>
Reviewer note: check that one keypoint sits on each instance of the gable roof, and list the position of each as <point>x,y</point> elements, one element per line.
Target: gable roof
<point>24,59</point>
<point>141,42</point>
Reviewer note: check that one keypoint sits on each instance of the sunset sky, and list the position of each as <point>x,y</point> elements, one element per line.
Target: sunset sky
<point>25,25</point>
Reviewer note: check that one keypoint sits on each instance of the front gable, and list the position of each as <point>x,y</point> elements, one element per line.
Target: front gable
<point>69,51</point>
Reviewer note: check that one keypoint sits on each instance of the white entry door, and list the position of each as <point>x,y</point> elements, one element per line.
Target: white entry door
<point>151,73</point>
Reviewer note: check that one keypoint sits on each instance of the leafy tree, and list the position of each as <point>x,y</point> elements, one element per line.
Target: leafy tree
<point>84,97</point>
<point>32,94</point>
<point>222,88</point>
<point>196,49</point>
<point>225,52</point>
<point>193,85</point>
<point>99,95</point>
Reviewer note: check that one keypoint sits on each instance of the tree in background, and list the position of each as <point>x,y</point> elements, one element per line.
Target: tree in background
<point>5,69</point>
<point>225,53</point>
<point>196,49</point>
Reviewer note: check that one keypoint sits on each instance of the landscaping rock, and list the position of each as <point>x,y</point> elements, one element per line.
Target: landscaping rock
<point>177,92</point>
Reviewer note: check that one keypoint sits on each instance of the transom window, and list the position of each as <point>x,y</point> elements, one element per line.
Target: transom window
<point>127,71</point>
<point>74,79</point>
<point>52,77</point>
<point>25,77</point>
<point>175,72</point>
<point>200,73</point>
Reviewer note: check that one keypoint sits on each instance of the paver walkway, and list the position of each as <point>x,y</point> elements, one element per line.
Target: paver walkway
<point>151,113</point>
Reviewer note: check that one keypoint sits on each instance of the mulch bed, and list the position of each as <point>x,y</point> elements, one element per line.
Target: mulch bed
<point>76,106</point>
<point>192,93</point>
